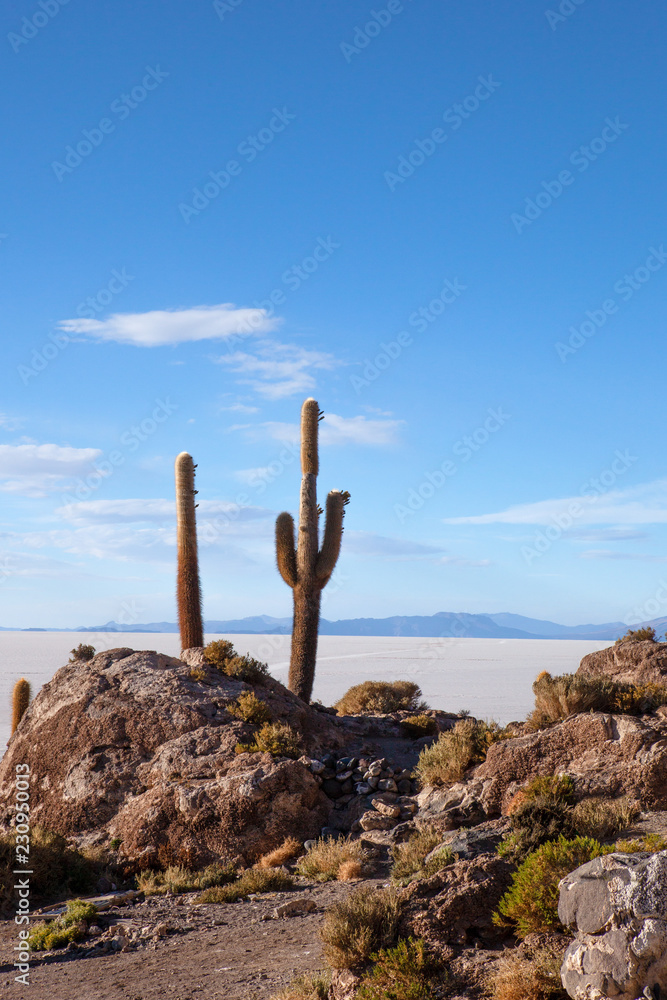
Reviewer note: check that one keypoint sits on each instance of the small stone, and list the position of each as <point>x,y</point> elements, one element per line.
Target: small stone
<point>372,820</point>
<point>387,809</point>
<point>362,789</point>
<point>387,785</point>
<point>404,786</point>
<point>347,787</point>
<point>309,844</point>
<point>316,766</point>
<point>293,908</point>
<point>372,781</point>
<point>343,775</point>
<point>374,771</point>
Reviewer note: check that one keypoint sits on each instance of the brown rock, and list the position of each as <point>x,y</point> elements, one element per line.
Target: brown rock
<point>607,755</point>
<point>129,745</point>
<point>372,820</point>
<point>460,898</point>
<point>629,663</point>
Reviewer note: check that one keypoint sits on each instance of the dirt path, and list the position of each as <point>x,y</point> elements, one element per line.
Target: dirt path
<point>214,952</point>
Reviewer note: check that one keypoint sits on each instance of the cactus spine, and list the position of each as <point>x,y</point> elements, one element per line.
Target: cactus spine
<point>20,702</point>
<point>305,567</point>
<point>188,587</point>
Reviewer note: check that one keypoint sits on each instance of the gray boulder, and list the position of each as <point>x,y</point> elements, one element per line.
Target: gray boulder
<point>618,904</point>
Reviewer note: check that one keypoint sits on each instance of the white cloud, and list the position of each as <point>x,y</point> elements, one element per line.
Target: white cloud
<point>335,430</point>
<point>35,469</point>
<point>174,326</point>
<point>239,408</point>
<point>276,370</point>
<point>137,511</point>
<point>644,504</point>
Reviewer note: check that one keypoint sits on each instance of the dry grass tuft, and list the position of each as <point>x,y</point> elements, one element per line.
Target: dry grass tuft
<point>529,976</point>
<point>289,849</point>
<point>637,635</point>
<point>557,698</point>
<point>455,751</point>
<point>350,871</point>
<point>408,858</point>
<point>323,862</point>
<point>360,924</point>
<point>177,879</point>
<point>603,819</point>
<point>276,738</point>
<point>417,726</point>
<point>250,881</point>
<point>380,698</point>
<point>313,987</point>
<point>249,708</point>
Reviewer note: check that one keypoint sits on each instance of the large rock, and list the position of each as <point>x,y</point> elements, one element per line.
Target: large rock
<point>457,901</point>
<point>448,808</point>
<point>628,662</point>
<point>129,745</point>
<point>606,755</point>
<point>618,904</point>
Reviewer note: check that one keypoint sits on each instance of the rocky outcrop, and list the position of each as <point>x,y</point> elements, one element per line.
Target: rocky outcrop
<point>606,755</point>
<point>457,902</point>
<point>448,808</point>
<point>629,663</point>
<point>618,904</point>
<point>132,745</point>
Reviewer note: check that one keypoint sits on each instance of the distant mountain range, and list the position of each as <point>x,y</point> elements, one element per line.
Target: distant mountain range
<point>444,624</point>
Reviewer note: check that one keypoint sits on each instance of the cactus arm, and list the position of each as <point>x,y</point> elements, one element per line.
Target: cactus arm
<point>310,417</point>
<point>333,534</point>
<point>188,586</point>
<point>285,551</point>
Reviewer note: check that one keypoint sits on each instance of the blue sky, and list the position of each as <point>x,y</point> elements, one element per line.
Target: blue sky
<point>444,221</point>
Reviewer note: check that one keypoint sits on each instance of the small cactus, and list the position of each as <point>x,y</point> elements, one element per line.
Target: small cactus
<point>188,586</point>
<point>20,702</point>
<point>306,567</point>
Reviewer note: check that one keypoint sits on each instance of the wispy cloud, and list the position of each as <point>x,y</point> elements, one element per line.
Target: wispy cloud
<point>276,370</point>
<point>161,327</point>
<point>36,469</point>
<point>625,556</point>
<point>367,543</point>
<point>137,511</point>
<point>334,430</point>
<point>644,504</point>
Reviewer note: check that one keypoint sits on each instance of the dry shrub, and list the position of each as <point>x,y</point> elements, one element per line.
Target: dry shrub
<point>530,905</point>
<point>276,738</point>
<point>533,975</point>
<point>360,924</point>
<point>404,972</point>
<point>289,849</point>
<point>540,812</point>
<point>218,652</point>
<point>448,759</point>
<point>82,652</point>
<point>250,881</point>
<point>417,726</point>
<point>650,843</point>
<point>249,708</point>
<point>221,654</point>
<point>604,818</point>
<point>381,698</point>
<point>557,698</point>
<point>350,871</point>
<point>198,674</point>
<point>324,860</point>
<point>408,858</point>
<point>637,635</point>
<point>312,987</point>
<point>177,879</point>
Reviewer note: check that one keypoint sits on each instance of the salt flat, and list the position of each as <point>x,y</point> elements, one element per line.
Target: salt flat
<point>490,677</point>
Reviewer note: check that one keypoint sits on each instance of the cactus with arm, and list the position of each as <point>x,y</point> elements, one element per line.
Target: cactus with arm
<point>304,566</point>
<point>188,586</point>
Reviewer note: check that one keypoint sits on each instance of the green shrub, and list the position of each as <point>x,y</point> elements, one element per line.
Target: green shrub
<point>58,933</point>
<point>218,652</point>
<point>650,842</point>
<point>381,698</point>
<point>531,903</point>
<point>82,652</point>
<point>360,924</point>
<point>455,751</point>
<point>246,668</point>
<point>251,880</point>
<point>249,708</point>
<point>409,858</point>
<point>569,694</point>
<point>535,823</point>
<point>403,972</point>
<point>323,861</point>
<point>177,879</point>
<point>638,635</point>
<point>417,726</point>
<point>276,738</point>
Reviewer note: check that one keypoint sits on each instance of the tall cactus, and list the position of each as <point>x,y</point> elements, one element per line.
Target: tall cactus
<point>188,587</point>
<point>306,567</point>
<point>20,702</point>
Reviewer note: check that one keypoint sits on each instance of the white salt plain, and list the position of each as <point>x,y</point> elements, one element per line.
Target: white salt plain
<point>491,678</point>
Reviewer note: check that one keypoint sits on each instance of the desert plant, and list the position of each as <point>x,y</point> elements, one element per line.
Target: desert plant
<point>82,652</point>
<point>637,635</point>
<point>309,987</point>
<point>289,849</point>
<point>403,972</point>
<point>322,862</point>
<point>218,651</point>
<point>380,698</point>
<point>70,926</point>
<point>532,975</point>
<point>252,880</point>
<point>246,668</point>
<point>276,738</point>
<point>358,925</point>
<point>603,819</point>
<point>569,694</point>
<point>249,708</point>
<point>20,702</point>
<point>650,843</point>
<point>409,858</point>
<point>539,812</point>
<point>531,903</point>
<point>455,751</point>
<point>177,879</point>
<point>188,585</point>
<point>306,567</point>
<point>417,726</point>
<point>350,871</point>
